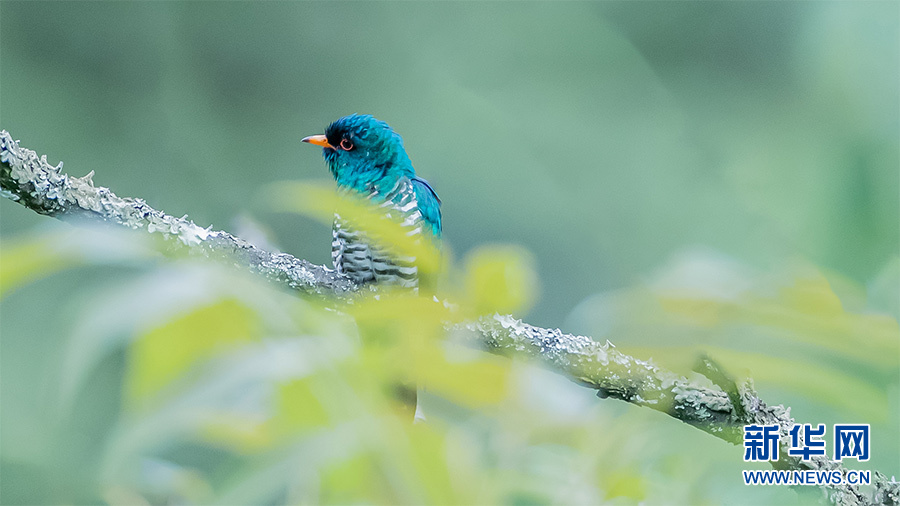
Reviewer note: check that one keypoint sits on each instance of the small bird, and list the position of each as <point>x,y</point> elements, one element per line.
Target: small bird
<point>367,157</point>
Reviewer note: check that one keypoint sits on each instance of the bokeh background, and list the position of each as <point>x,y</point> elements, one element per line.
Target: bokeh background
<point>682,176</point>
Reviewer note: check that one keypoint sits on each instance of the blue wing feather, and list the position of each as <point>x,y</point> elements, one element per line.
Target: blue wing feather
<point>429,204</point>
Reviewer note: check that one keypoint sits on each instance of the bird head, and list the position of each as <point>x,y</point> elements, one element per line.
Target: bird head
<point>361,151</point>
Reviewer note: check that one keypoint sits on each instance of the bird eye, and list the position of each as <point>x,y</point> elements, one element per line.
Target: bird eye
<point>346,144</point>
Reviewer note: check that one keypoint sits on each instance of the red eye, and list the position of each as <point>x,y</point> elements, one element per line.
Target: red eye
<point>346,144</point>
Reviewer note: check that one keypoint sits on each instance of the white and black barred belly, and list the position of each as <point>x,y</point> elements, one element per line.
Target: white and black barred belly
<point>364,262</point>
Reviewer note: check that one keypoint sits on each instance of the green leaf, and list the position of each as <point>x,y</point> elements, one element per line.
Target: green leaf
<point>321,202</point>
<point>501,279</point>
<point>482,381</point>
<point>626,483</point>
<point>300,405</point>
<point>166,352</point>
<point>27,260</point>
<point>826,384</point>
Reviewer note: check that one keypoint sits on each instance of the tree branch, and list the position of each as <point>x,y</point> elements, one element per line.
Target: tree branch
<point>46,189</point>
<point>722,411</point>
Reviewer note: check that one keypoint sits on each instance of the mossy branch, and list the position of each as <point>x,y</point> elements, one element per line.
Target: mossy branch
<point>721,409</point>
<point>45,189</point>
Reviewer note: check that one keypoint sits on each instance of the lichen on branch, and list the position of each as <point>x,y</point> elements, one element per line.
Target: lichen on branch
<point>46,189</point>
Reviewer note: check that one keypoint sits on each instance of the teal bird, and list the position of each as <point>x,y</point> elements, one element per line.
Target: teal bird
<point>367,157</point>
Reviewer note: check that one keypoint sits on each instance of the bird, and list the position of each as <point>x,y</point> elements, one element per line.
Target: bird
<point>367,158</point>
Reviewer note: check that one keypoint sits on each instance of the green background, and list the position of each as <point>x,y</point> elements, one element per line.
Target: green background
<point>601,136</point>
<point>618,142</point>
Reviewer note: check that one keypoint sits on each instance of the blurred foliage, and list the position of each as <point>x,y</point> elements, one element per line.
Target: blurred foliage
<point>500,279</point>
<point>789,332</point>
<point>188,382</point>
<point>185,381</point>
<point>681,177</point>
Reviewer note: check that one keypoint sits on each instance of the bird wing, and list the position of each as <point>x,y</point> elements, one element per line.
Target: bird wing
<point>428,203</point>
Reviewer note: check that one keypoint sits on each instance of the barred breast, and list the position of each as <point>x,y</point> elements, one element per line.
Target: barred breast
<point>354,255</point>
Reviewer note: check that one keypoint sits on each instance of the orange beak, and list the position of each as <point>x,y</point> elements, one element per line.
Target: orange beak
<point>318,140</point>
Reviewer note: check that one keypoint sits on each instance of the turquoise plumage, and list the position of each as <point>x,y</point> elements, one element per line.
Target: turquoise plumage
<point>367,157</point>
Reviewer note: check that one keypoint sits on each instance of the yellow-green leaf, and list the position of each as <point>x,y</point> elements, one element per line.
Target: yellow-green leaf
<point>26,261</point>
<point>321,202</point>
<point>300,406</point>
<point>500,279</point>
<point>164,353</point>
